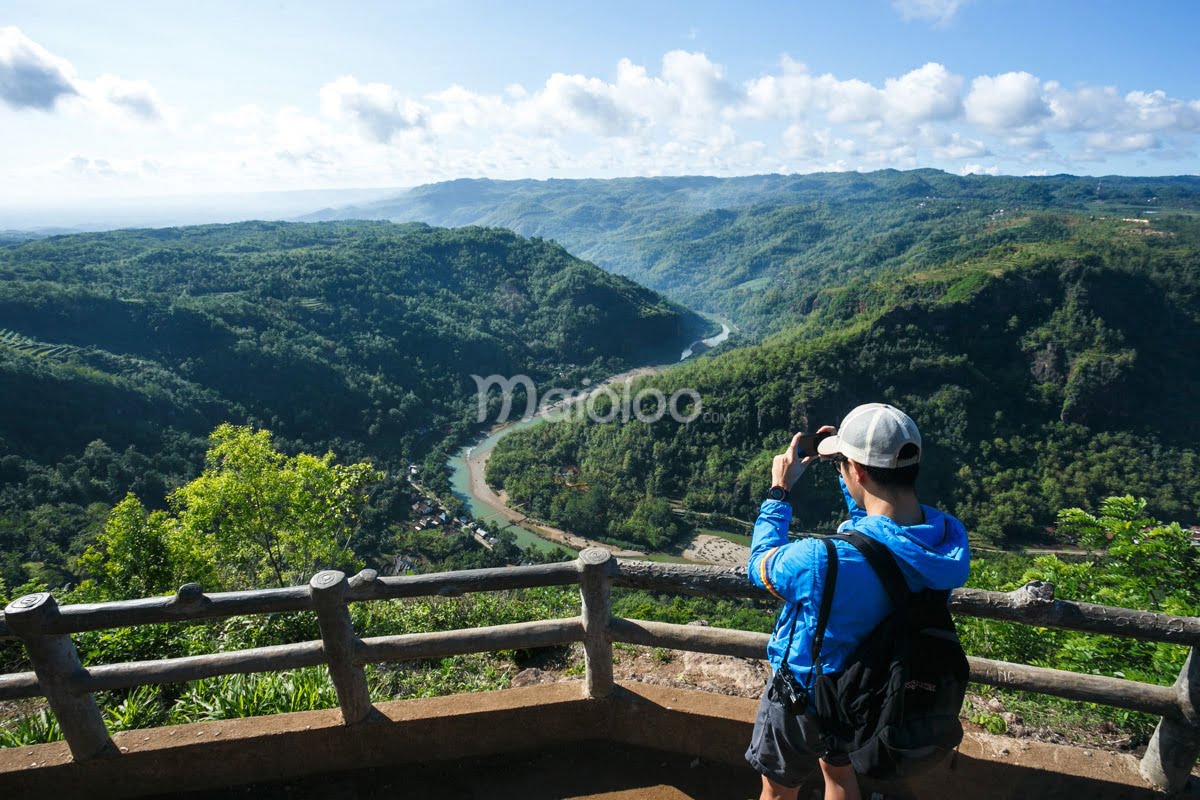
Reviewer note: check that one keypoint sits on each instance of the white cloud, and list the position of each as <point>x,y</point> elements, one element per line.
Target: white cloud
<point>1084,109</point>
<point>898,156</point>
<point>681,116</point>
<point>136,99</point>
<point>31,76</point>
<point>1011,100</point>
<point>697,83</point>
<point>1092,108</point>
<point>851,100</point>
<point>687,117</point>
<point>378,108</point>
<point>105,169</point>
<point>576,103</point>
<point>790,94</point>
<point>456,108</point>
<point>957,146</point>
<point>1122,143</point>
<point>89,166</point>
<point>245,116</point>
<point>1156,111</point>
<point>816,145</point>
<point>690,94</point>
<point>928,93</point>
<point>939,11</point>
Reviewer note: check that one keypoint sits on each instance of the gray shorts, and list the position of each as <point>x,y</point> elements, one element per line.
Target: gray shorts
<point>783,744</point>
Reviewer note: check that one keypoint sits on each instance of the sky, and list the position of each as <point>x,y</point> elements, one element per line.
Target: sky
<point>132,99</point>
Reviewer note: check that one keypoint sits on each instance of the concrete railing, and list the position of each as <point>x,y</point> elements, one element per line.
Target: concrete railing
<point>57,675</point>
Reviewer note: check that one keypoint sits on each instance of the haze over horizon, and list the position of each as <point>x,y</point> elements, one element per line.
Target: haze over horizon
<point>135,102</point>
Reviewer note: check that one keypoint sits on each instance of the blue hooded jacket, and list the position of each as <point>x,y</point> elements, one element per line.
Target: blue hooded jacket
<point>932,555</point>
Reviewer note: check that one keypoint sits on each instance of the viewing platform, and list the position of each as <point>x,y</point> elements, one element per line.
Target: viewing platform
<point>591,738</point>
<point>546,741</point>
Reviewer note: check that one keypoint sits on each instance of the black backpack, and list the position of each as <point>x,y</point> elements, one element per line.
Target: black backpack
<point>894,706</point>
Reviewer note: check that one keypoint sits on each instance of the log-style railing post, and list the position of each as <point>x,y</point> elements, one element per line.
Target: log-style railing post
<point>595,588</point>
<point>56,662</point>
<point>328,591</point>
<point>1175,746</point>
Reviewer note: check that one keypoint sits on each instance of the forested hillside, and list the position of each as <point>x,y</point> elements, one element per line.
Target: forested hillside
<point>1052,361</point>
<point>120,352</point>
<point>758,248</point>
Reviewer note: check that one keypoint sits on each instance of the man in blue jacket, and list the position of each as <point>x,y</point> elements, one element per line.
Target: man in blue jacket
<point>877,450</point>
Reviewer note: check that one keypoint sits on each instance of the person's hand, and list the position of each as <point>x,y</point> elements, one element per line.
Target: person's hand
<point>787,467</point>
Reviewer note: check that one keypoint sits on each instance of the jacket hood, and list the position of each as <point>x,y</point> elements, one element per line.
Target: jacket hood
<point>932,555</point>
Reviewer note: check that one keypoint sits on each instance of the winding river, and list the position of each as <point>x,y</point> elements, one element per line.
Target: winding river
<point>468,464</point>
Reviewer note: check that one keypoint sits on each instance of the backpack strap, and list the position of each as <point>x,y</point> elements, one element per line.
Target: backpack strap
<point>884,564</point>
<point>831,571</point>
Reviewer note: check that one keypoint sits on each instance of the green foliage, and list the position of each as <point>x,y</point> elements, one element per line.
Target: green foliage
<point>735,614</point>
<point>122,351</point>
<point>1038,383</point>
<point>234,696</point>
<point>36,728</point>
<point>259,517</point>
<point>454,675</point>
<point>1145,562</point>
<point>1136,562</point>
<point>600,498</point>
<point>255,695</point>
<point>141,708</point>
<point>136,554</point>
<point>991,722</point>
<point>254,517</point>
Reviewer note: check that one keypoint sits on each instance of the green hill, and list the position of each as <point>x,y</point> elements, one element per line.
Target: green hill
<point>1050,370</point>
<point>121,351</point>
<point>757,248</point>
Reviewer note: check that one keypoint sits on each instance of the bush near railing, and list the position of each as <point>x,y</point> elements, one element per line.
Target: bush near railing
<point>45,630</point>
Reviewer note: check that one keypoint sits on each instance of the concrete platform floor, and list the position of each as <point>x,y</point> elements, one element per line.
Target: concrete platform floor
<point>601,770</point>
<point>582,770</point>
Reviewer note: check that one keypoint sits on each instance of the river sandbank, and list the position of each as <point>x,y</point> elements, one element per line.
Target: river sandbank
<point>708,549</point>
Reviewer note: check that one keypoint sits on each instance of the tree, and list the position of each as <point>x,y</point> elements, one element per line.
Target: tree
<point>254,517</point>
<point>1146,563</point>
<point>263,517</point>
<point>133,555</point>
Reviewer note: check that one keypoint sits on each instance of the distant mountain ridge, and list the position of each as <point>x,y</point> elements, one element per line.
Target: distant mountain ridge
<point>756,248</point>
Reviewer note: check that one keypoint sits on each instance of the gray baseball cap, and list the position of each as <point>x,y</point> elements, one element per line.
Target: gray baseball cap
<point>873,434</point>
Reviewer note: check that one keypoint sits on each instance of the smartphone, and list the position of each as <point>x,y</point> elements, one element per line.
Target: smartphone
<point>808,444</point>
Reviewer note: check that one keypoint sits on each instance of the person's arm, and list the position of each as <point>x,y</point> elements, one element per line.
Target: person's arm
<point>770,529</point>
<point>782,567</point>
<point>770,533</point>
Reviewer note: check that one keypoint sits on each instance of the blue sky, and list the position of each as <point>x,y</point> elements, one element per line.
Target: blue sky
<point>125,99</point>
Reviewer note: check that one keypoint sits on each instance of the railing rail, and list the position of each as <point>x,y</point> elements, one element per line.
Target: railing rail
<point>57,674</point>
